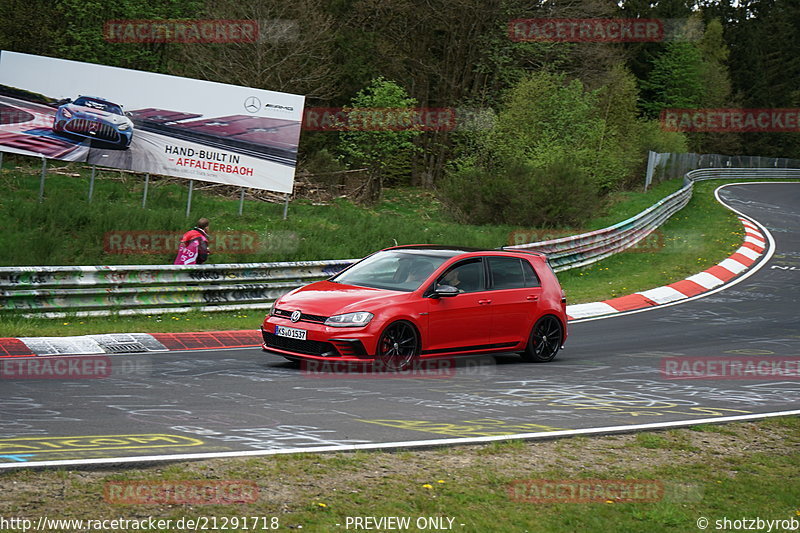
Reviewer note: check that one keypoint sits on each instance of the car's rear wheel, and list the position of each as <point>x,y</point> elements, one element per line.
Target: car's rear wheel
<point>544,341</point>
<point>398,346</point>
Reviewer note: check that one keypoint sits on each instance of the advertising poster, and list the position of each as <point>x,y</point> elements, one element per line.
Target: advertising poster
<point>147,122</point>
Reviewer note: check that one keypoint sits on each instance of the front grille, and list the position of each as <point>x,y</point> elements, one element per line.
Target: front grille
<point>82,126</point>
<point>299,346</point>
<point>283,313</point>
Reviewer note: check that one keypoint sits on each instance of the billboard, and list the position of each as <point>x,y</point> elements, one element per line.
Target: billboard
<point>148,122</point>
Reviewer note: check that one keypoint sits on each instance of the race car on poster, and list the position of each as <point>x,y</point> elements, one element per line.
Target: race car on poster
<point>94,118</point>
<point>407,303</point>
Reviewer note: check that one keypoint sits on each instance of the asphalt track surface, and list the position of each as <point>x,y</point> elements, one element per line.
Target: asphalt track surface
<point>181,405</point>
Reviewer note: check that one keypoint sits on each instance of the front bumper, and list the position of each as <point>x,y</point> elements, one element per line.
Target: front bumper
<point>321,343</point>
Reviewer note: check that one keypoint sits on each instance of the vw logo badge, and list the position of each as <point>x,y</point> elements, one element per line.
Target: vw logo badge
<point>296,316</point>
<point>252,104</point>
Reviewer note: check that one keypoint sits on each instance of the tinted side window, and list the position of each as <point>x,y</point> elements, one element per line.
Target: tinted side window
<point>466,276</point>
<point>507,273</point>
<point>531,279</point>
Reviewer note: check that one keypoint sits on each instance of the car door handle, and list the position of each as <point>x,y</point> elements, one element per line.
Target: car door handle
<point>532,298</point>
<point>484,302</point>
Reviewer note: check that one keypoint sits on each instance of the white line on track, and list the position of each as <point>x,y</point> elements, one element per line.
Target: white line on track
<point>401,444</point>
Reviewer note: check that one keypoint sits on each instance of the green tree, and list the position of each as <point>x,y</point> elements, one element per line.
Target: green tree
<point>717,91</point>
<point>378,137</point>
<point>676,80</point>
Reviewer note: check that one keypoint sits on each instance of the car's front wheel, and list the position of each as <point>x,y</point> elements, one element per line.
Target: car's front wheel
<point>398,346</point>
<point>544,341</point>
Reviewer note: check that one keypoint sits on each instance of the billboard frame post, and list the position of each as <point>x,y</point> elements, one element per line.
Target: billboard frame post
<point>286,206</point>
<point>241,200</point>
<point>144,196</point>
<point>41,180</point>
<point>91,184</point>
<point>1,160</point>
<point>189,201</point>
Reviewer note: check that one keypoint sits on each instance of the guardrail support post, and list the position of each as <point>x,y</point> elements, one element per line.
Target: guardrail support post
<point>241,200</point>
<point>41,180</point>
<point>91,184</point>
<point>189,201</point>
<point>1,160</point>
<point>146,183</point>
<point>286,206</point>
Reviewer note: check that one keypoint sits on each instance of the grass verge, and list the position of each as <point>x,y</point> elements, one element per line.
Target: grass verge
<point>744,471</point>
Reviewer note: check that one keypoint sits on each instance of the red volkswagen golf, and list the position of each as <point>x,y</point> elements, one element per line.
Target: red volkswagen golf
<point>409,302</point>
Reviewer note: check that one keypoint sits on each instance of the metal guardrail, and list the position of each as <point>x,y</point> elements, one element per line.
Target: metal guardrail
<point>587,248</point>
<point>150,289</point>
<point>741,173</point>
<point>153,289</point>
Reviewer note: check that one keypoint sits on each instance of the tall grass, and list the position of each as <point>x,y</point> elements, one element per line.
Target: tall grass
<point>67,229</point>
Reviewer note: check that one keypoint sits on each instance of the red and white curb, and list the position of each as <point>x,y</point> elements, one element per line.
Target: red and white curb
<point>753,247</point>
<point>746,256</point>
<point>121,343</point>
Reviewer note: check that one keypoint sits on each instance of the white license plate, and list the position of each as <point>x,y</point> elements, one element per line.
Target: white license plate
<point>292,333</point>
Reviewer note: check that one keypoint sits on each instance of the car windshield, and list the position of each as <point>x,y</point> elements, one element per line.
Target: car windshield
<point>99,104</point>
<point>396,270</point>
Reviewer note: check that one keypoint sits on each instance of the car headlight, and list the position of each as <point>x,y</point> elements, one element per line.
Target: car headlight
<point>66,113</point>
<point>273,310</point>
<point>122,127</point>
<point>348,320</point>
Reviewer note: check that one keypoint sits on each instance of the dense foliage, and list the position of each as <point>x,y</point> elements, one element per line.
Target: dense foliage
<point>591,106</point>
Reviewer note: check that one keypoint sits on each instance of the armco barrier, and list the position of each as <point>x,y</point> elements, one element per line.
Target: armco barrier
<point>143,289</point>
<point>150,289</point>
<point>588,248</point>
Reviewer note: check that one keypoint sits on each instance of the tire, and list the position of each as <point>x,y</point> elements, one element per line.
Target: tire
<point>544,341</point>
<point>398,346</point>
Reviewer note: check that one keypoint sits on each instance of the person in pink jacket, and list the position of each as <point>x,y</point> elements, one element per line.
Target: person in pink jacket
<point>193,249</point>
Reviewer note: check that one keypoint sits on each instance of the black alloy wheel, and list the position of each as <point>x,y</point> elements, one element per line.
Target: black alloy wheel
<point>545,340</point>
<point>398,347</point>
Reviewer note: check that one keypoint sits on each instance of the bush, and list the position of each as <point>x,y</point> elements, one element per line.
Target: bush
<point>559,194</point>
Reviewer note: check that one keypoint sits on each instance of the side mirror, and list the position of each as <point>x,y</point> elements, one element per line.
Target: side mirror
<point>445,291</point>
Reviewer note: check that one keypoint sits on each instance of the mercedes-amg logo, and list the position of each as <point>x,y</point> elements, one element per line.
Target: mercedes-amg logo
<point>252,104</point>
<point>296,316</point>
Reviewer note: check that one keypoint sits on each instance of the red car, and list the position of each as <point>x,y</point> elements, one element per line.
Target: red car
<point>410,302</point>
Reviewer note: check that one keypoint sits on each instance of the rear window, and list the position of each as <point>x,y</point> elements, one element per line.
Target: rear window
<point>512,273</point>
